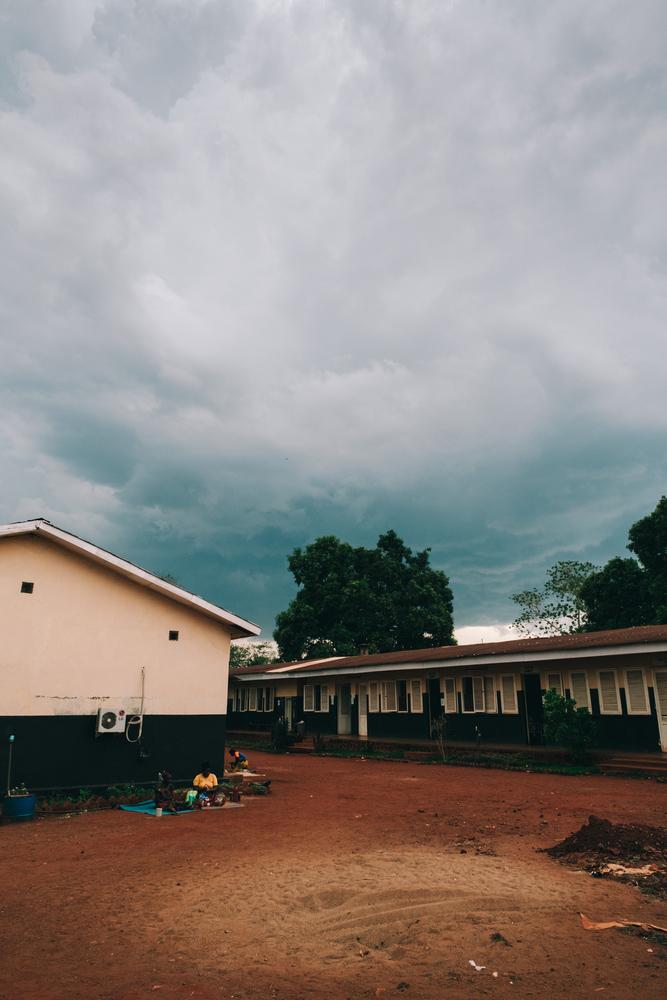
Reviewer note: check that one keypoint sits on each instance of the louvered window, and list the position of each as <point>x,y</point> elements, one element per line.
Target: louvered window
<point>478,693</point>
<point>321,697</point>
<point>244,699</point>
<point>579,690</point>
<point>450,694</point>
<point>608,693</point>
<point>416,704</point>
<point>309,698</point>
<point>555,683</point>
<point>388,696</point>
<point>373,698</point>
<point>252,706</point>
<point>635,692</point>
<point>269,700</point>
<point>490,695</point>
<point>508,692</point>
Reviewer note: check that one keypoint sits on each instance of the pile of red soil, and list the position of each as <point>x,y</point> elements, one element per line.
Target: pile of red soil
<point>599,842</point>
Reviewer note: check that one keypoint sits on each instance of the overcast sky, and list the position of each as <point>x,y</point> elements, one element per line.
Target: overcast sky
<point>273,270</point>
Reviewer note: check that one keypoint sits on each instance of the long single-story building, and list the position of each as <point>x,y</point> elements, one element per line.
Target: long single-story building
<point>107,672</point>
<point>488,691</point>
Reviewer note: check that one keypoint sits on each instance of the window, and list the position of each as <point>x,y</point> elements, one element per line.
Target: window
<point>555,683</point>
<point>173,636</point>
<point>490,704</point>
<point>244,699</point>
<point>468,697</point>
<point>635,692</point>
<point>450,694</point>
<point>373,697</point>
<point>316,698</point>
<point>260,699</point>
<point>609,701</point>
<point>402,696</point>
<point>388,696</point>
<point>252,700</point>
<point>508,694</point>
<point>416,704</point>
<point>27,587</point>
<point>579,690</point>
<point>269,699</point>
<point>478,693</point>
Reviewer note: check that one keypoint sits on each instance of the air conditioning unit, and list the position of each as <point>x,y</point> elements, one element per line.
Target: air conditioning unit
<point>111,720</point>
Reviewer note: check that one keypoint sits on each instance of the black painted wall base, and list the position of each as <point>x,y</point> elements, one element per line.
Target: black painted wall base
<point>63,751</point>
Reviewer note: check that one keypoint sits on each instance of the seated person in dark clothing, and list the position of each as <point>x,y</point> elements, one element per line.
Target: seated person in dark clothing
<point>164,793</point>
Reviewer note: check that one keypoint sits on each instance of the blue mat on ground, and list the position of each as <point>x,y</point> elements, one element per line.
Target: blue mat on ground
<point>148,807</point>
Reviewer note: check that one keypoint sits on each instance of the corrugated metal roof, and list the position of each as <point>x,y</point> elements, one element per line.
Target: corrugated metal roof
<point>555,643</point>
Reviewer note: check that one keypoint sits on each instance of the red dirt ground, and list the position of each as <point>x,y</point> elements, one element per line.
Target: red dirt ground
<point>353,879</point>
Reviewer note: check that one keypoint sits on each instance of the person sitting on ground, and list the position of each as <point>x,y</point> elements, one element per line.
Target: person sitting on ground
<point>239,761</point>
<point>164,793</point>
<point>206,785</point>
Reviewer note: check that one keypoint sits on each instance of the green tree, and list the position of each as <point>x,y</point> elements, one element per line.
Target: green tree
<point>617,596</point>
<point>386,598</point>
<point>565,725</point>
<point>625,592</point>
<point>558,608</point>
<point>648,541</point>
<point>252,654</point>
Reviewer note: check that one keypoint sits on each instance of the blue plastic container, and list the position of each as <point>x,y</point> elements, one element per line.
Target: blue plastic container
<point>16,808</point>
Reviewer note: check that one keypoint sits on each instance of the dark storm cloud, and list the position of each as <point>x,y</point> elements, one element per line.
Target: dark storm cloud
<point>276,270</point>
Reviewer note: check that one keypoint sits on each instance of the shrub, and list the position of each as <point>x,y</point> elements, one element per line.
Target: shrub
<point>280,738</point>
<point>568,726</point>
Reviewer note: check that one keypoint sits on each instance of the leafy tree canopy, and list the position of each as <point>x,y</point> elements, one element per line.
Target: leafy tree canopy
<point>627,592</point>
<point>558,608</point>
<point>648,541</point>
<point>252,654</point>
<point>386,598</point>
<point>617,596</point>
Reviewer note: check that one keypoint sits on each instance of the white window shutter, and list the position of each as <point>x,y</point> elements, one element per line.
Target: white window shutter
<point>478,694</point>
<point>253,700</point>
<point>388,696</point>
<point>635,690</point>
<point>416,695</point>
<point>308,698</point>
<point>373,700</point>
<point>450,694</point>
<point>554,683</point>
<point>608,692</point>
<point>490,695</point>
<point>324,697</point>
<point>508,693</point>
<point>579,689</point>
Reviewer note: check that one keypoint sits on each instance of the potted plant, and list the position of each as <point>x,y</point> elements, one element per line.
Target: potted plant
<point>19,803</point>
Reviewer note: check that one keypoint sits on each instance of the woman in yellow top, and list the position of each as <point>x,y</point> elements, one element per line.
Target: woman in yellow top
<point>205,781</point>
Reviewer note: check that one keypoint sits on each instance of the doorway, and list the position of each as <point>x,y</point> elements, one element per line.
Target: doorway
<point>344,700</point>
<point>362,701</point>
<point>660,690</point>
<point>434,700</point>
<point>532,697</point>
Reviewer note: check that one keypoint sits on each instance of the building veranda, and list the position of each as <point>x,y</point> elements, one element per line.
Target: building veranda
<point>489,691</point>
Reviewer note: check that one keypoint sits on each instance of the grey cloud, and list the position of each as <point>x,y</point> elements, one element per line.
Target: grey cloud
<point>276,270</point>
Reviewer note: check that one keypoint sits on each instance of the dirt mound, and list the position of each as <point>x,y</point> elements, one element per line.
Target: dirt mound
<point>608,841</point>
<point>598,847</point>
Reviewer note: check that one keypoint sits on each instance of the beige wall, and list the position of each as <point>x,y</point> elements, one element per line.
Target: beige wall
<point>79,641</point>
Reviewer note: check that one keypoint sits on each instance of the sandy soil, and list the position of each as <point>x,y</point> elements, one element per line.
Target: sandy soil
<point>353,879</point>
